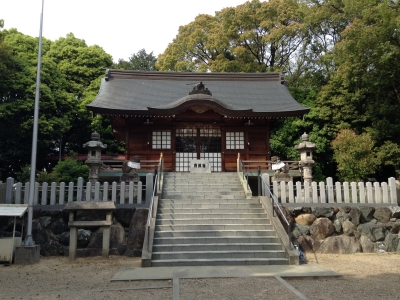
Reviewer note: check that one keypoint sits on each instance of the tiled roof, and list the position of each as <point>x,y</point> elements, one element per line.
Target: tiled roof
<point>135,92</point>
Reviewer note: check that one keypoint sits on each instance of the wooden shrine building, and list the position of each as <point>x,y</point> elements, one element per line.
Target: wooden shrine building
<point>189,116</point>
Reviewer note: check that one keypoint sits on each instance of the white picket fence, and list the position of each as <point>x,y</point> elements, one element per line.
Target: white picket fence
<point>329,193</point>
<point>60,194</point>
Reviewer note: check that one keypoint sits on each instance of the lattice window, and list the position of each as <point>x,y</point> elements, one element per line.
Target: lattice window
<point>235,140</point>
<point>161,140</point>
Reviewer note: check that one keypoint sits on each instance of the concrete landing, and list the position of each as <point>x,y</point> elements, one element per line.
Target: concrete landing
<point>164,273</point>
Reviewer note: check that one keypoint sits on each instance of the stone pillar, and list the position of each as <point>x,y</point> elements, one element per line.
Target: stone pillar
<point>94,162</point>
<point>306,159</point>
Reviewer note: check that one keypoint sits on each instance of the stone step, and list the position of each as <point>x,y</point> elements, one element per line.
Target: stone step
<point>215,240</point>
<point>213,233</point>
<point>217,247</point>
<point>219,262</point>
<point>194,227</point>
<point>206,189</point>
<point>205,219</point>
<point>208,210</point>
<point>219,254</point>
<point>201,175</point>
<point>209,200</point>
<point>163,205</point>
<point>209,196</point>
<point>165,221</point>
<point>218,215</point>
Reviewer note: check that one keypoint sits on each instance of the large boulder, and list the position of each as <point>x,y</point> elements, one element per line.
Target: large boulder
<point>300,210</point>
<point>395,211</point>
<point>338,225</point>
<point>59,226</point>
<point>117,237</point>
<point>393,227</point>
<point>349,228</point>
<point>342,216</point>
<point>326,212</point>
<point>299,230</point>
<point>39,232</point>
<point>367,245</point>
<point>367,214</point>
<point>391,242</point>
<point>321,228</point>
<point>124,215</point>
<point>137,230</point>
<point>382,214</point>
<point>308,243</point>
<point>83,238</point>
<point>288,215</point>
<point>375,232</point>
<point>341,244</point>
<point>354,215</point>
<point>53,248</point>
<point>63,238</point>
<point>305,219</point>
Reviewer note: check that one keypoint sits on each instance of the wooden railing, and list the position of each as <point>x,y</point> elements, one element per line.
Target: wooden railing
<point>61,193</point>
<point>327,193</point>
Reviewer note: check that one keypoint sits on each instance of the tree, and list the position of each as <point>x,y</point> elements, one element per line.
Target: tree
<point>62,117</point>
<point>70,169</point>
<point>79,63</point>
<point>16,108</point>
<point>363,94</point>
<point>139,61</point>
<point>354,155</point>
<point>253,37</point>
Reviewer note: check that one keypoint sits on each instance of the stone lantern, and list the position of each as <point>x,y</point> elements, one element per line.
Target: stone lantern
<point>306,159</point>
<point>94,162</point>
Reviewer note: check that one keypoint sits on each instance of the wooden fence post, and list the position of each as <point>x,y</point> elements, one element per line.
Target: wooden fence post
<point>79,192</point>
<point>149,186</point>
<point>105,191</point>
<point>44,193</point>
<point>393,192</point>
<point>329,185</point>
<point>139,192</point>
<point>9,190</point>
<point>346,192</point>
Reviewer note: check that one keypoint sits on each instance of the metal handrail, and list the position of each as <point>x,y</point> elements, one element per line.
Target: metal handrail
<point>150,215</point>
<point>276,202</point>
<point>244,172</point>
<point>158,177</point>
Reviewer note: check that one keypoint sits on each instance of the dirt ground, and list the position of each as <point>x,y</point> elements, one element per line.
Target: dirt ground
<point>365,276</point>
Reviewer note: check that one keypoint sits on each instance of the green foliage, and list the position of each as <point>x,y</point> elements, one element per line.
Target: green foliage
<point>252,37</point>
<point>389,156</point>
<point>354,155</point>
<point>70,169</point>
<point>140,61</point>
<point>68,68</point>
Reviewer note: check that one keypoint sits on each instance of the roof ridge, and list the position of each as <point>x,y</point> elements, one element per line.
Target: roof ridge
<point>157,75</point>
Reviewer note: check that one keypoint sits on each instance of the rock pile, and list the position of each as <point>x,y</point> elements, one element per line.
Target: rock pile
<point>346,229</point>
<point>50,230</point>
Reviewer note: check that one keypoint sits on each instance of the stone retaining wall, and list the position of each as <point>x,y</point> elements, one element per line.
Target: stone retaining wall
<point>50,230</point>
<point>345,230</point>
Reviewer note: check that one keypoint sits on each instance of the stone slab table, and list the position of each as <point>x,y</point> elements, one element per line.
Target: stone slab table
<point>72,207</point>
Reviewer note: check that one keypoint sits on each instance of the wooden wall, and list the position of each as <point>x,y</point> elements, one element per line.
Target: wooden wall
<point>138,136</point>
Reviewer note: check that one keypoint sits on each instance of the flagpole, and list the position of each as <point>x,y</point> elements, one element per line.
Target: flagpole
<point>28,239</point>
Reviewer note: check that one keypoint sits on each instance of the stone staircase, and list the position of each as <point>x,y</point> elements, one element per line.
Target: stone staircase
<point>205,220</point>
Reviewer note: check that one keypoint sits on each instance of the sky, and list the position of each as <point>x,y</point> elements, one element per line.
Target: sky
<point>120,27</point>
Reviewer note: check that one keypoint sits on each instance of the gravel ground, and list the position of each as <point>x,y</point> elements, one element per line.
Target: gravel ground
<point>365,276</point>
